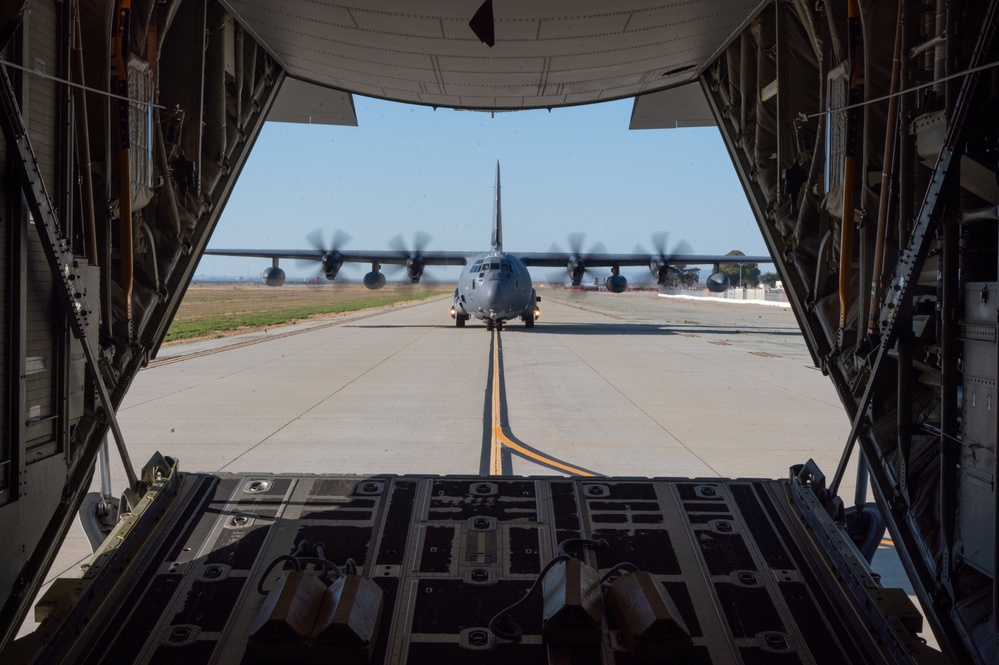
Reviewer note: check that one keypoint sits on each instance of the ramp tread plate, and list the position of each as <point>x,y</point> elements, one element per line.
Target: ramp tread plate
<point>728,553</point>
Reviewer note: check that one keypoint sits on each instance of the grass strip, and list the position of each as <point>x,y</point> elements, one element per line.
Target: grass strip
<point>218,325</point>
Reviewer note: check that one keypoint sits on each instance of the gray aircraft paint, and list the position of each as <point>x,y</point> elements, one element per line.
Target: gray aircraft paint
<point>495,286</point>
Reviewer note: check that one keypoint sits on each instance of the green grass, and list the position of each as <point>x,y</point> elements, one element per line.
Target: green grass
<point>274,314</point>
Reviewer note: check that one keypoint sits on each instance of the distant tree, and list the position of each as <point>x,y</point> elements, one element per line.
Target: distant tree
<point>769,278</point>
<point>689,277</point>
<point>750,271</point>
<point>680,276</point>
<point>672,277</point>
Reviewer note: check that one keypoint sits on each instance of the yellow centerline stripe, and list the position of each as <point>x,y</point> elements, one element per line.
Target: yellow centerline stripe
<point>500,438</point>
<point>541,458</point>
<point>496,449</point>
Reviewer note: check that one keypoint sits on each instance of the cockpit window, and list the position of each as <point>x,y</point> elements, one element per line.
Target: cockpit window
<point>504,266</point>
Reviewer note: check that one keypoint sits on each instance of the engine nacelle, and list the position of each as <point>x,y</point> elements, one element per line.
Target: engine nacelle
<point>331,263</point>
<point>414,268</point>
<point>374,280</point>
<point>718,283</point>
<point>616,283</point>
<point>272,276</point>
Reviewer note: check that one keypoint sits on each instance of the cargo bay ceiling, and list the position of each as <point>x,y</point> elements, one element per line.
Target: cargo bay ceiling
<point>881,220</point>
<point>545,55</point>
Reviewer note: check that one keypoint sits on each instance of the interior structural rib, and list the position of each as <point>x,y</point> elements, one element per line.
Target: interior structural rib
<point>864,137</point>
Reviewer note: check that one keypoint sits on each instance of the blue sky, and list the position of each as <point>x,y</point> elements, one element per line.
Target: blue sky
<point>408,168</point>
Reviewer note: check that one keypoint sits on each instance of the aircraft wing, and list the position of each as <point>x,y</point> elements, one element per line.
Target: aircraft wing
<point>384,256</point>
<point>560,259</point>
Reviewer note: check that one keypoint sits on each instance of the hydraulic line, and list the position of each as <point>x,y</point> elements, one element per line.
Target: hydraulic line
<point>849,167</point>
<point>83,143</point>
<point>887,168</point>
<point>120,61</point>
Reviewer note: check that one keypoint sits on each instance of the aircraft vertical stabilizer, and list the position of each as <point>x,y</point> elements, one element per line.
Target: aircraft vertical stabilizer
<point>497,216</point>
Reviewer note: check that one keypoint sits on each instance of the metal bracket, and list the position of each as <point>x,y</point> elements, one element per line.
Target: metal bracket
<point>63,263</point>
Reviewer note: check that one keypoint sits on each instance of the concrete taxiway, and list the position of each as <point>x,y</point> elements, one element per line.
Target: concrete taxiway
<point>619,385</point>
<point>622,385</point>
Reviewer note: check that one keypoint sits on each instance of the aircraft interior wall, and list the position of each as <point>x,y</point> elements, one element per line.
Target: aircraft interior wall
<point>917,404</point>
<point>185,149</point>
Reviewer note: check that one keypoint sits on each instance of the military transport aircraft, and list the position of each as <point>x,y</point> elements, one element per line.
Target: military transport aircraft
<point>494,286</point>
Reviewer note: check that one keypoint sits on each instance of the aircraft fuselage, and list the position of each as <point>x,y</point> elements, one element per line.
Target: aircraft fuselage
<point>495,287</point>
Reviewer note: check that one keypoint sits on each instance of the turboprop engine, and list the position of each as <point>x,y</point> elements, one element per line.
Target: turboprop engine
<point>414,268</point>
<point>411,253</point>
<point>331,263</point>
<point>331,260</point>
<point>575,269</point>
<point>659,267</point>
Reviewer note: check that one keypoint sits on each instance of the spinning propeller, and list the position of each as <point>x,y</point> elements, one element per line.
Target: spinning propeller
<point>576,266</point>
<point>662,262</point>
<point>414,263</point>
<point>331,261</point>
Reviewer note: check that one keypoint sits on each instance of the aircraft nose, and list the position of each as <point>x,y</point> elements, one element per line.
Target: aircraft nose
<point>489,292</point>
<point>497,297</point>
